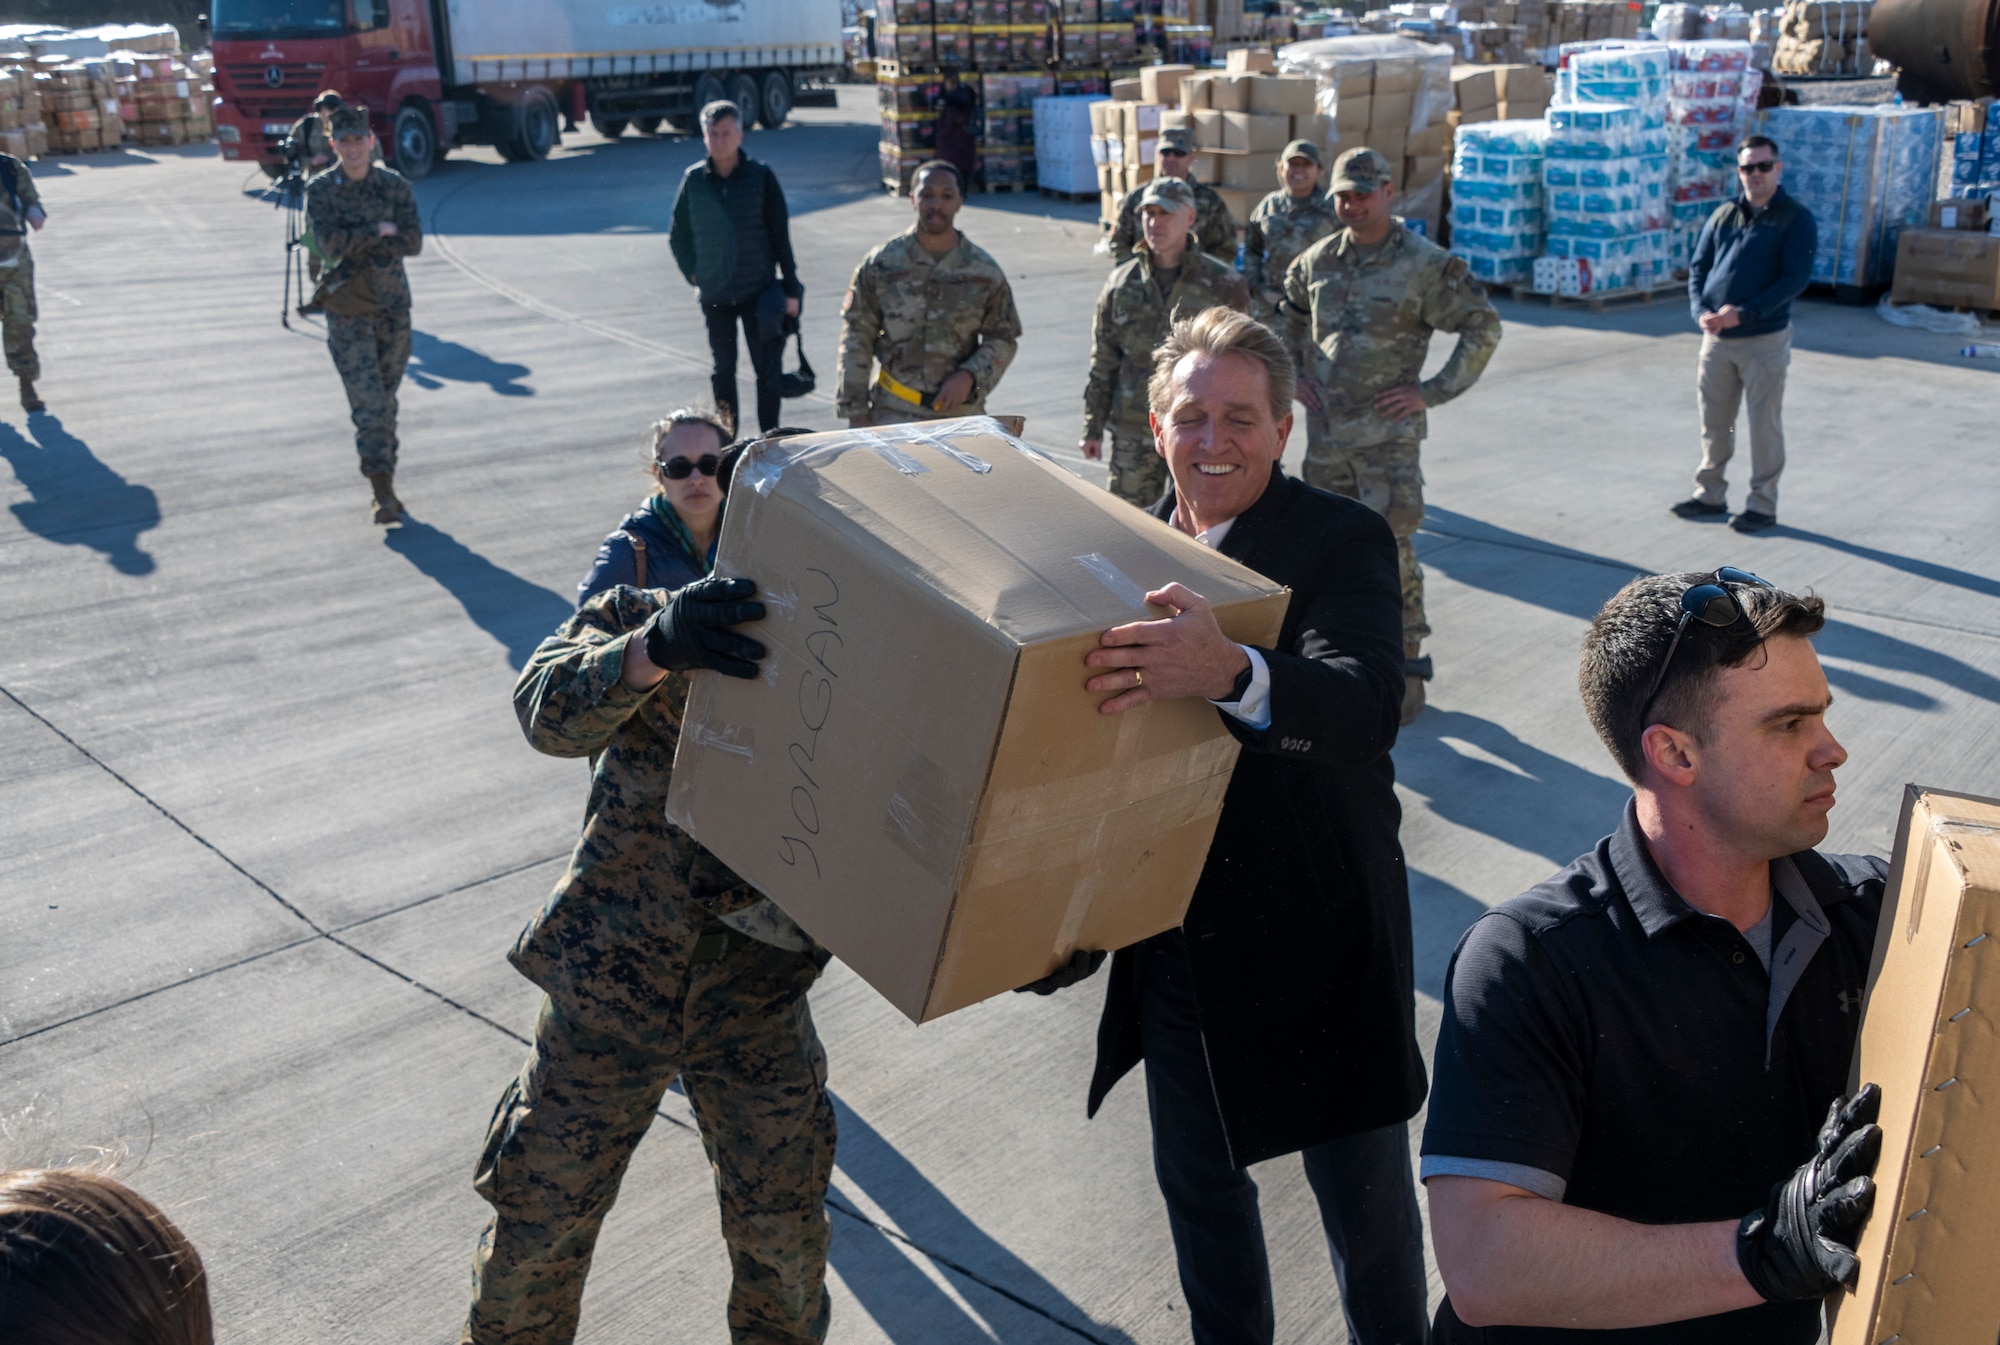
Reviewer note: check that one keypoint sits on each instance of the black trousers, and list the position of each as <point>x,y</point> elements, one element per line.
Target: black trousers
<point>1367,1196</point>
<point>765,359</point>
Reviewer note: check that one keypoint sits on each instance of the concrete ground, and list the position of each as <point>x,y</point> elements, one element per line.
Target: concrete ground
<point>267,826</point>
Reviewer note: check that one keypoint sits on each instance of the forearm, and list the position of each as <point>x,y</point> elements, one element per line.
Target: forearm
<point>409,229</point>
<point>989,361</point>
<point>1520,1260</point>
<point>1476,344</point>
<point>854,368</point>
<point>571,698</point>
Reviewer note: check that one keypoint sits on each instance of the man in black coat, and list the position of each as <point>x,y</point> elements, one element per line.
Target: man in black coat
<point>1279,1018</point>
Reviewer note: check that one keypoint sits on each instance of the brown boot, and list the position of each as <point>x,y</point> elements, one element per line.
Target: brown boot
<point>388,509</point>
<point>29,401</point>
<point>1416,672</point>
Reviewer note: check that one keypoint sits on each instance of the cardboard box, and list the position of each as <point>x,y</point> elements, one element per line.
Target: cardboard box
<point>1960,212</point>
<point>1208,166</point>
<point>1319,130</point>
<point>1229,93</point>
<point>1391,145</point>
<point>1397,76</point>
<point>1246,172</point>
<point>1473,86</point>
<point>1194,92</point>
<point>1351,114</point>
<point>1948,268</point>
<point>1249,132</point>
<point>1523,84</point>
<point>1173,119</point>
<point>1208,129</point>
<point>1431,140</point>
<point>955,823</point>
<point>1456,118</point>
<point>1162,83</point>
<point>1251,60</point>
<point>1125,90</point>
<point>1283,96</point>
<point>1519,111</point>
<point>1930,1038</point>
<point>1139,119</point>
<point>1420,170</point>
<point>1106,119</point>
<point>1392,110</point>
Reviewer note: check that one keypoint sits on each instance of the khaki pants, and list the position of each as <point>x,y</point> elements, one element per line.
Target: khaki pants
<point>1389,479</point>
<point>1731,372</point>
<point>755,1076</point>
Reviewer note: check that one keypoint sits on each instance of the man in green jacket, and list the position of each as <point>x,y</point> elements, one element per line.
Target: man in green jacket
<point>730,233</point>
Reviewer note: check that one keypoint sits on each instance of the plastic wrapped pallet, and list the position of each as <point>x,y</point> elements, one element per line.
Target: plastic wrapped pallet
<point>1496,198</point>
<point>1712,90</point>
<point>1604,167</point>
<point>1063,158</point>
<point>1386,71</point>
<point>1865,173</point>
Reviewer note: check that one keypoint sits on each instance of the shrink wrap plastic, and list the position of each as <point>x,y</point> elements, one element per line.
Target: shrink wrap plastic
<point>1496,198</point>
<point>1866,173</point>
<point>1363,63</point>
<point>1712,89</point>
<point>1604,166</point>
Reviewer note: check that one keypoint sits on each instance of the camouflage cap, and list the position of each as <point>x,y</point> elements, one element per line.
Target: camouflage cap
<point>327,100</point>
<point>1178,138</point>
<point>348,121</point>
<point>1168,193</point>
<point>1361,170</point>
<point>1302,149</point>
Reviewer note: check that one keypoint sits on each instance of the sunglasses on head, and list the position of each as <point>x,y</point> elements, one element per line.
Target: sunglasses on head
<point>1761,166</point>
<point>1710,603</point>
<point>680,469</point>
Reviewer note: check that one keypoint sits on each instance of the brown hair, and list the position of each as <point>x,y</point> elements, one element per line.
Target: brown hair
<point>1633,635</point>
<point>716,418</point>
<point>1217,332</point>
<point>85,1260</point>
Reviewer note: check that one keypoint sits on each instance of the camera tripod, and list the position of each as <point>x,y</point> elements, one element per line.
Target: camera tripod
<point>289,192</point>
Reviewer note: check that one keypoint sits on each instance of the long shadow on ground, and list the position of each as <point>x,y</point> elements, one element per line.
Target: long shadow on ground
<point>76,499</point>
<point>909,1307</point>
<point>517,613</point>
<point>434,361</point>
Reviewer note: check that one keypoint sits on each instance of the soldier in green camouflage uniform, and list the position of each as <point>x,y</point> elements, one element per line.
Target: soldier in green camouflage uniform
<point>933,310</point>
<point>363,219</point>
<point>308,145</point>
<point>657,962</point>
<point>21,213</point>
<point>1284,224</point>
<point>1360,306</point>
<point>1167,280</point>
<point>1214,227</point>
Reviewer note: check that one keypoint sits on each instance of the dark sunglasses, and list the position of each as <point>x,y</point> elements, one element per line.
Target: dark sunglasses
<point>1176,153</point>
<point>1761,166</point>
<point>1710,603</point>
<point>680,469</point>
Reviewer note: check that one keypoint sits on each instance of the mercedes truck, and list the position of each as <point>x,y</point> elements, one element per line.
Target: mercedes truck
<point>438,74</point>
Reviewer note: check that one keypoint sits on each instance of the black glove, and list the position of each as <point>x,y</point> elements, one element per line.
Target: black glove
<point>691,631</point>
<point>1801,1245</point>
<point>1082,965</point>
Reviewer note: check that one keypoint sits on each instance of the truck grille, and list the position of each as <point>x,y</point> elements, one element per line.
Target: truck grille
<point>249,88</point>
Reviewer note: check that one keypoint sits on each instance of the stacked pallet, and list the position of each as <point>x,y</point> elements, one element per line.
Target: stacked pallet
<point>1824,37</point>
<point>23,132</point>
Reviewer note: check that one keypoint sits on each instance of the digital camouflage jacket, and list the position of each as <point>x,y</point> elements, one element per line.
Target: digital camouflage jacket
<point>1133,318</point>
<point>1281,227</point>
<point>1214,228</point>
<point>924,317</point>
<point>1361,323</point>
<point>343,213</point>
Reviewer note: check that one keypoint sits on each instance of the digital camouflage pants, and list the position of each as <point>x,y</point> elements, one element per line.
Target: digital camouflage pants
<point>371,350</point>
<point>1389,479</point>
<point>754,1073</point>
<point>17,319</point>
<point>1138,472</point>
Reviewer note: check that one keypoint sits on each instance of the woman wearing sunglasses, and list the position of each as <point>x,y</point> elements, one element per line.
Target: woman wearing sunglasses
<point>657,962</point>
<point>669,540</point>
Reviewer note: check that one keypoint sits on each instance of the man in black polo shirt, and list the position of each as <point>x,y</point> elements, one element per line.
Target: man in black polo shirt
<point>1656,1039</point>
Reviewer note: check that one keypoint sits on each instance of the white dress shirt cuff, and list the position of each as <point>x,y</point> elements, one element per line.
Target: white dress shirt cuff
<point>1255,707</point>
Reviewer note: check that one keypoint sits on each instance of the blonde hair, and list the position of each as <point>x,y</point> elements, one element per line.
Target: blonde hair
<point>1216,332</point>
<point>86,1260</point>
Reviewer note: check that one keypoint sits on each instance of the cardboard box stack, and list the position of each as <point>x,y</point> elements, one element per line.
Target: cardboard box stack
<point>1000,48</point>
<point>1972,142</point>
<point>1824,37</point>
<point>1605,167</point>
<point>1497,93</point>
<point>1957,267</point>
<point>953,826</point>
<point>1496,198</point>
<point>1711,94</point>
<point>1928,1040</point>
<point>1866,173</point>
<point>71,108</point>
<point>1243,119</point>
<point>23,131</point>
<point>1393,95</point>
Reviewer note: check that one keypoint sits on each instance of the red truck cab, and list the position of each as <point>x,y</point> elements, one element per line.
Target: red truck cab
<point>273,57</point>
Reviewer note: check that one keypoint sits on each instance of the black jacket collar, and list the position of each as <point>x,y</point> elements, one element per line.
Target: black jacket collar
<point>1251,523</point>
<point>1653,899</point>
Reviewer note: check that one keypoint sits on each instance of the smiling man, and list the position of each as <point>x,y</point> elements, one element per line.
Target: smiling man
<point>1638,1131</point>
<point>1278,1019</point>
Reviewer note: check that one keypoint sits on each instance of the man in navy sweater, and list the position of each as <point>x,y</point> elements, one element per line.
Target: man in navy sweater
<point>1754,257</point>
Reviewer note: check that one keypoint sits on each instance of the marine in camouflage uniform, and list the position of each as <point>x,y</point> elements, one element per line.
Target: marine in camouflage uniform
<point>367,297</point>
<point>20,212</point>
<point>657,962</point>
<point>1214,226</point>
<point>1283,225</point>
<point>1359,321</point>
<point>923,316</point>
<point>1135,313</point>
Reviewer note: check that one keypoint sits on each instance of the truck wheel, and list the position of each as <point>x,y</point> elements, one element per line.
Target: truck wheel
<point>708,89</point>
<point>743,93</point>
<point>532,132</point>
<point>646,125</point>
<point>415,141</point>
<point>776,102</point>
<point>609,127</point>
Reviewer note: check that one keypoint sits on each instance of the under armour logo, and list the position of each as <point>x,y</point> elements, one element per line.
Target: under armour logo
<point>1850,1000</point>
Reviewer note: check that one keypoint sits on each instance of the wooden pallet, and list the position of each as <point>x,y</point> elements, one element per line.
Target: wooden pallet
<point>1069,197</point>
<point>1596,302</point>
